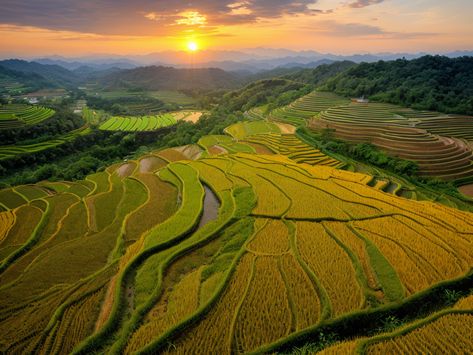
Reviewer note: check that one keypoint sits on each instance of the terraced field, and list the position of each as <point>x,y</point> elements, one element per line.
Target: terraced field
<point>264,137</point>
<point>138,124</point>
<point>11,87</point>
<point>439,143</point>
<point>260,247</point>
<point>148,123</point>
<point>306,107</point>
<point>402,133</point>
<point>449,126</point>
<point>19,115</point>
<point>448,332</point>
<point>11,151</point>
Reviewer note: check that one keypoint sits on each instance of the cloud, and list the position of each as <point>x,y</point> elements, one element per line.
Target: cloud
<point>153,16</point>
<point>191,18</point>
<point>240,8</point>
<point>363,3</point>
<point>337,29</point>
<point>137,17</point>
<point>360,30</point>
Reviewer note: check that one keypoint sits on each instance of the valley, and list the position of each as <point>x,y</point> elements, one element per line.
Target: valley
<point>162,210</point>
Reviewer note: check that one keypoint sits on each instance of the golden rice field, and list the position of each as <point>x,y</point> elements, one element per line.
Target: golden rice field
<point>189,251</point>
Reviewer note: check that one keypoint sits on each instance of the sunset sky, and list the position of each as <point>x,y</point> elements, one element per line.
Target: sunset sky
<point>75,28</point>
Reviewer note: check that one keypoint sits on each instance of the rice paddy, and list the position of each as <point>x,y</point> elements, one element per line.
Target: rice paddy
<point>225,247</point>
<point>437,143</point>
<point>20,115</point>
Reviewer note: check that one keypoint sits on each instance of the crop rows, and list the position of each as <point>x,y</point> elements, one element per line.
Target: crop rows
<point>449,126</point>
<point>19,115</point>
<point>447,332</point>
<point>294,148</point>
<point>123,262</point>
<point>63,254</point>
<point>11,151</point>
<point>306,107</point>
<point>241,130</point>
<point>222,144</point>
<point>256,113</point>
<point>409,138</point>
<point>138,124</point>
<point>359,266</point>
<point>7,219</point>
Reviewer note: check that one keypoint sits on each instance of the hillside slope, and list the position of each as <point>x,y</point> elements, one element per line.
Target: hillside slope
<point>428,83</point>
<point>168,78</point>
<point>54,74</point>
<point>243,242</point>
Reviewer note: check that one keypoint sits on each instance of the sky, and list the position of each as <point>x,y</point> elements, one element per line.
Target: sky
<point>30,28</point>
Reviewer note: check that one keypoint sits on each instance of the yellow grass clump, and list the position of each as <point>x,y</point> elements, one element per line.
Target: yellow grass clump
<point>7,219</point>
<point>331,265</point>
<point>264,315</point>
<point>420,258</point>
<point>77,323</point>
<point>450,334</point>
<point>357,246</point>
<point>180,302</point>
<point>273,238</point>
<point>305,302</point>
<point>214,334</point>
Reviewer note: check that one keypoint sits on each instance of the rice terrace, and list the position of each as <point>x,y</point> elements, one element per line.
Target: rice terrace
<point>233,178</point>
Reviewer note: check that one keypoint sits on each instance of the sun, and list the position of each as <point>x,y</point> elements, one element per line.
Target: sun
<point>192,46</point>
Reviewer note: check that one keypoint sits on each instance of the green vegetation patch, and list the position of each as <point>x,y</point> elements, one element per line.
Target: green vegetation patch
<point>20,115</point>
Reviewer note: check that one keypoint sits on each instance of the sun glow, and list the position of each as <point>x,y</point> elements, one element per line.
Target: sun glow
<point>192,46</point>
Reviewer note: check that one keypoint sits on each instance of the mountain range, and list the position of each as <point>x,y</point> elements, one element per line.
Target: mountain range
<point>250,60</point>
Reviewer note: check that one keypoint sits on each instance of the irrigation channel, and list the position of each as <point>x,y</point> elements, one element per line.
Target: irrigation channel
<point>209,213</point>
<point>211,206</point>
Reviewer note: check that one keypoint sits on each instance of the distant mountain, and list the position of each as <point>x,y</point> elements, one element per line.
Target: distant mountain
<point>54,74</point>
<point>305,73</point>
<point>321,73</point>
<point>92,65</point>
<point>307,65</point>
<point>168,78</point>
<point>88,73</point>
<point>249,60</point>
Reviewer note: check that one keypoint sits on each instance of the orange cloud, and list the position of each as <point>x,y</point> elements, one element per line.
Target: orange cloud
<point>191,18</point>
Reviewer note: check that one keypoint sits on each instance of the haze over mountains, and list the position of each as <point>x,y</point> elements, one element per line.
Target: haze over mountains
<point>250,60</point>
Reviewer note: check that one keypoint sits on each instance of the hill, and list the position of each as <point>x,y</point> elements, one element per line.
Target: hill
<point>428,83</point>
<point>53,74</point>
<point>16,82</point>
<point>168,78</point>
<point>321,73</point>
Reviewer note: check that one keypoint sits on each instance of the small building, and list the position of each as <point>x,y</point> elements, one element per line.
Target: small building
<point>360,100</point>
<point>32,100</point>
